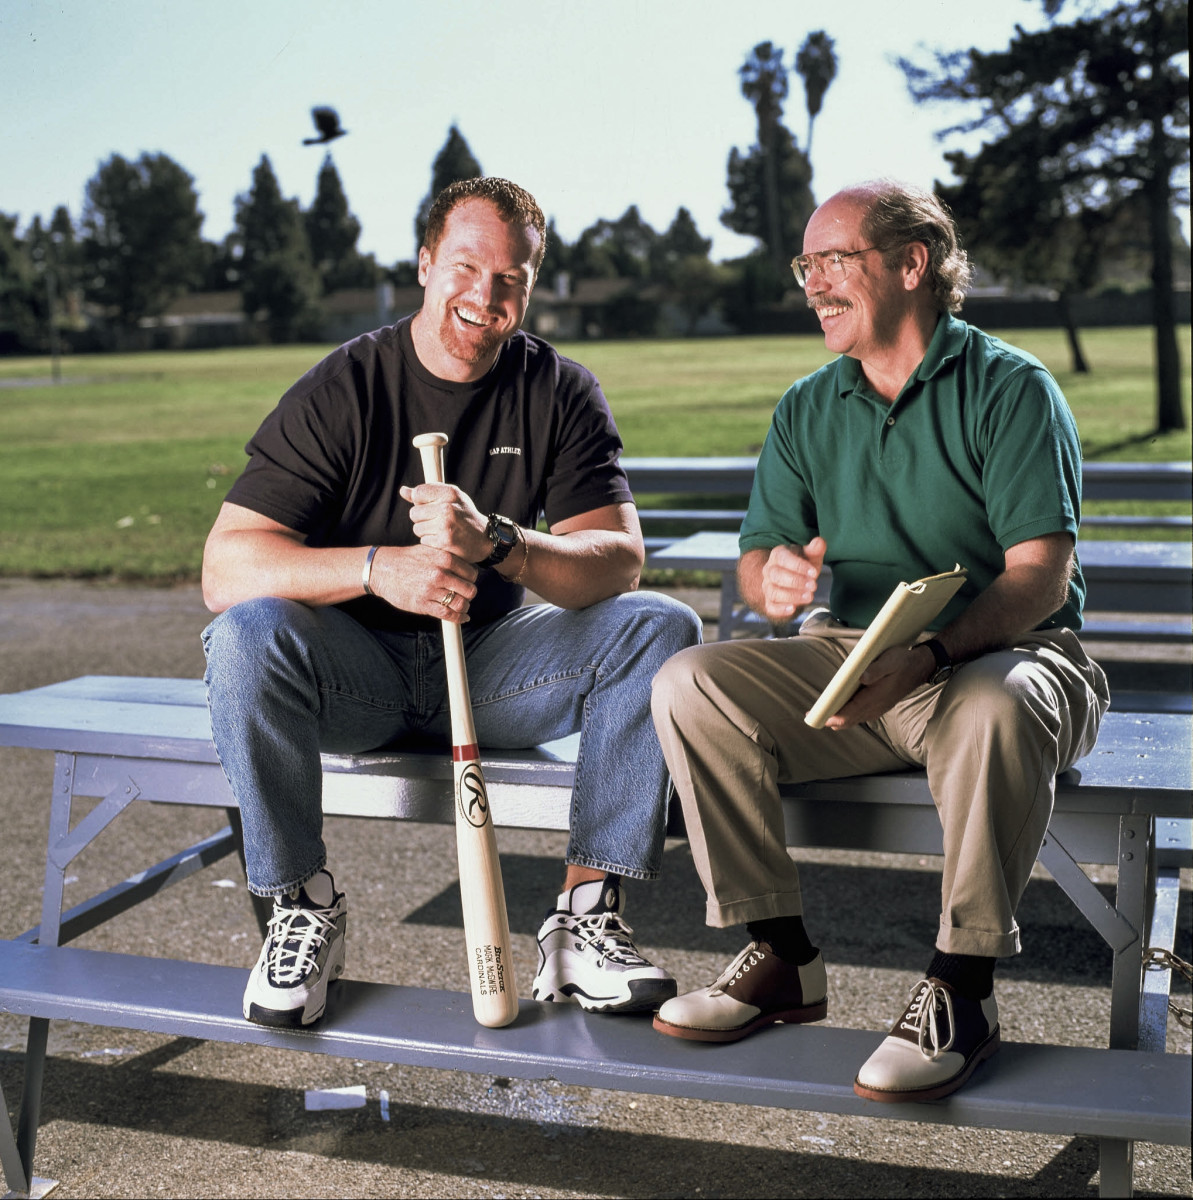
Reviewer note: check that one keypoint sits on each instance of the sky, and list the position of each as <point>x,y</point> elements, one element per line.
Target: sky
<point>592,107</point>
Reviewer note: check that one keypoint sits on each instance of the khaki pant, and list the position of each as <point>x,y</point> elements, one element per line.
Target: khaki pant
<point>992,738</point>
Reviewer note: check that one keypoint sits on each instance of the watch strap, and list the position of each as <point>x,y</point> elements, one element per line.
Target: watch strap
<point>939,653</point>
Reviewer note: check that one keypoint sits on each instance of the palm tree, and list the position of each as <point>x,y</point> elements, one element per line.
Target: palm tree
<point>764,85</point>
<point>816,64</point>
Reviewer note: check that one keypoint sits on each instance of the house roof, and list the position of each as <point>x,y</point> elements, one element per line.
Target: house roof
<point>351,300</point>
<point>595,292</point>
<point>382,299</point>
<point>196,304</point>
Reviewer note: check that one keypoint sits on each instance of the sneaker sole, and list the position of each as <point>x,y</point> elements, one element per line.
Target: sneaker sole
<point>986,1050</point>
<point>282,1018</point>
<point>645,996</point>
<point>791,1016</point>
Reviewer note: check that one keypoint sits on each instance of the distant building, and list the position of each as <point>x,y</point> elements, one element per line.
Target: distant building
<point>599,308</point>
<point>349,313</point>
<point>201,319</point>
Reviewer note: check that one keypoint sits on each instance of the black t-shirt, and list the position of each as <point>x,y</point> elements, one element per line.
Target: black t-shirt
<point>533,438</point>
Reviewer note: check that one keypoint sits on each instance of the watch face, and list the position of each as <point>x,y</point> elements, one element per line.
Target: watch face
<point>503,534</point>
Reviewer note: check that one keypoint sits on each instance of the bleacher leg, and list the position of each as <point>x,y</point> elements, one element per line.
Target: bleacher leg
<point>15,1179</point>
<point>30,1115</point>
<point>1116,1167</point>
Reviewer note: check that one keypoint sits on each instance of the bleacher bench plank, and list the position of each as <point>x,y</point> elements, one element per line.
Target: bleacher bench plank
<point>1121,577</point>
<point>1041,1088</point>
<point>734,476</point>
<point>1141,763</point>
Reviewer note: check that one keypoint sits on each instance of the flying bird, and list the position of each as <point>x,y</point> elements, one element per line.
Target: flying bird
<point>327,122</point>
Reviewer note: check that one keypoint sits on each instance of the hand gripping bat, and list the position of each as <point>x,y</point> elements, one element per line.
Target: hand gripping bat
<point>486,925</point>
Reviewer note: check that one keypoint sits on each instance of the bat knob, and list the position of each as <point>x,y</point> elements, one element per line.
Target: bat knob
<point>430,439</point>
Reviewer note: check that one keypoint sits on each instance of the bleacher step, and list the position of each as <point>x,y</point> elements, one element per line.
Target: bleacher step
<point>1040,1088</point>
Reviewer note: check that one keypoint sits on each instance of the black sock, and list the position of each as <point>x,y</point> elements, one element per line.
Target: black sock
<point>969,975</point>
<point>786,936</point>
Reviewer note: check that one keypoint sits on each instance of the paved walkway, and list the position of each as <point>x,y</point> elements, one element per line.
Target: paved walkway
<point>128,1114</point>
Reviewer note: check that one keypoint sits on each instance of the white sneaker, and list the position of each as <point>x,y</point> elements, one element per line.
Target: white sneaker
<point>587,954</point>
<point>303,953</point>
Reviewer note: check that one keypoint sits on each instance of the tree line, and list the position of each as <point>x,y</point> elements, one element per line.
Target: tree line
<point>1084,128</point>
<point>137,246</point>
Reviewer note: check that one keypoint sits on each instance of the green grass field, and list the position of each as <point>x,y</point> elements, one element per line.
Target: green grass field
<point>119,469</point>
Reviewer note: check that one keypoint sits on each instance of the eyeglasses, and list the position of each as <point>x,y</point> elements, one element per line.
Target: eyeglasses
<point>830,263</point>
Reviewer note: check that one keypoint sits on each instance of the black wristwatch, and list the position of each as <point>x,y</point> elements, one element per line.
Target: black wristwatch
<point>944,664</point>
<point>503,533</point>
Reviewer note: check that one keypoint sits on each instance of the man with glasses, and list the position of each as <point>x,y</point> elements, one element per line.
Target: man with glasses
<point>927,443</point>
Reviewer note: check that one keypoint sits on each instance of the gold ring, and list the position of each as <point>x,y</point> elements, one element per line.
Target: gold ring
<point>447,599</point>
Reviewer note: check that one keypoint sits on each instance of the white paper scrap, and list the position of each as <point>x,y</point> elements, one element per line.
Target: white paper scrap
<point>323,1099</point>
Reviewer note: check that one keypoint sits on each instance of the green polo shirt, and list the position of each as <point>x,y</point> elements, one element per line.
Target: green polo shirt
<point>978,453</point>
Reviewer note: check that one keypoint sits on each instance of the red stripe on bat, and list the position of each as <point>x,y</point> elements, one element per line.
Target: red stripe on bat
<point>465,753</point>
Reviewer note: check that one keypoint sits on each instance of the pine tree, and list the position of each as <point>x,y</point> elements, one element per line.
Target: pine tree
<point>680,243</point>
<point>747,181</point>
<point>277,279</point>
<point>621,249</point>
<point>557,259</point>
<point>22,300</point>
<point>453,162</point>
<point>332,232</point>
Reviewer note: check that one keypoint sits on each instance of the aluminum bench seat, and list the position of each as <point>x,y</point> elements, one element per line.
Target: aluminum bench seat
<point>1042,1088</point>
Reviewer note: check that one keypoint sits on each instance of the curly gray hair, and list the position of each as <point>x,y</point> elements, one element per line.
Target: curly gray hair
<point>900,213</point>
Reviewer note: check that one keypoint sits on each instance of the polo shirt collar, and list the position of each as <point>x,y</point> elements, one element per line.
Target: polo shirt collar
<point>948,342</point>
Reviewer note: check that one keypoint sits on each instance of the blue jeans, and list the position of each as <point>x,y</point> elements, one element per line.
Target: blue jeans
<point>286,681</point>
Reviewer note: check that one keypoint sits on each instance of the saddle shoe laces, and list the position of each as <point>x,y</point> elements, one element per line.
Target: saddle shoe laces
<point>297,935</point>
<point>751,956</point>
<point>921,1019</point>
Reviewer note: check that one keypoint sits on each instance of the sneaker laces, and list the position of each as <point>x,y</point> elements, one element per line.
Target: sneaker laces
<point>751,956</point>
<point>609,935</point>
<point>921,1018</point>
<point>296,936</point>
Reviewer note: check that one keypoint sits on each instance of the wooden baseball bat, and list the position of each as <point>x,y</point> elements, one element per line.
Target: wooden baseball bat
<point>486,924</point>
